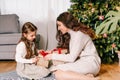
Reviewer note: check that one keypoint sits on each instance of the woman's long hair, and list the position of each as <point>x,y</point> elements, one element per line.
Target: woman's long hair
<point>72,23</point>
<point>28,27</point>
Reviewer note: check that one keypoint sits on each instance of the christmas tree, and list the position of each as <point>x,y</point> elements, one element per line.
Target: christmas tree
<point>92,13</point>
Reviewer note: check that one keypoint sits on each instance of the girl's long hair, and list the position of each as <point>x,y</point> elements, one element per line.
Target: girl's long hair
<point>72,23</point>
<point>28,27</point>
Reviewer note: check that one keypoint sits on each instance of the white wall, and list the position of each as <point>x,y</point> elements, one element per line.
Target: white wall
<point>42,13</point>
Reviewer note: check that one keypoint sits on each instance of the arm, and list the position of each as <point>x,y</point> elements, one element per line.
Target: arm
<point>20,53</point>
<point>76,45</point>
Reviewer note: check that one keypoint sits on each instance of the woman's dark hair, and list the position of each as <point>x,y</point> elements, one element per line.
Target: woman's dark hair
<point>28,27</point>
<point>72,23</point>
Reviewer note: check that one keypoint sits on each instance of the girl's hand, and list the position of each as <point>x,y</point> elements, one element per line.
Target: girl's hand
<point>35,59</point>
<point>48,57</point>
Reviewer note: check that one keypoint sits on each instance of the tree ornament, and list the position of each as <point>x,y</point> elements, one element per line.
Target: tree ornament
<point>93,10</point>
<point>101,17</point>
<point>113,45</point>
<point>105,35</point>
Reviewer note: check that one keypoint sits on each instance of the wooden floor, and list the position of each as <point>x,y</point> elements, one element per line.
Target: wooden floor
<point>6,66</point>
<point>107,72</point>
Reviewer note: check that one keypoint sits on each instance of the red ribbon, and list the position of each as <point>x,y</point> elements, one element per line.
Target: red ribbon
<point>43,53</point>
<point>58,49</point>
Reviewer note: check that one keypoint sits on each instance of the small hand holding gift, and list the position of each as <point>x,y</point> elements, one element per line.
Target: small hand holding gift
<point>42,61</point>
<point>58,51</point>
<point>35,59</point>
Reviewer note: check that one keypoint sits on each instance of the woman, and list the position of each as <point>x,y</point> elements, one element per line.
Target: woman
<point>82,62</point>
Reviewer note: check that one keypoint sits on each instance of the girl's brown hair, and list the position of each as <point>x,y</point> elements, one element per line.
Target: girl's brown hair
<point>72,23</point>
<point>28,27</point>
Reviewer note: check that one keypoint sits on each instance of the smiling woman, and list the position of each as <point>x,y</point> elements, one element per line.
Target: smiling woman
<point>76,38</point>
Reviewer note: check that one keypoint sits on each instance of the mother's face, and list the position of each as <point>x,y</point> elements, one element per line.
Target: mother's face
<point>62,27</point>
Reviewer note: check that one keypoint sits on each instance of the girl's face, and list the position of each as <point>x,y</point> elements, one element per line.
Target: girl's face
<point>62,27</point>
<point>30,35</point>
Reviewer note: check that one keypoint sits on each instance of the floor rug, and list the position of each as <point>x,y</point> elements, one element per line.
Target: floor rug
<point>13,76</point>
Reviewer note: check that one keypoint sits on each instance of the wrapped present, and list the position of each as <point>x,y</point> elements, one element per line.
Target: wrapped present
<point>42,61</point>
<point>58,51</point>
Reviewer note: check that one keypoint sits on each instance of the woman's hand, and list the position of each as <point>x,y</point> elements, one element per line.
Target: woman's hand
<point>48,57</point>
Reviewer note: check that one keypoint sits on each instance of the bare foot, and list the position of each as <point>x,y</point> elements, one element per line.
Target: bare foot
<point>93,78</point>
<point>90,75</point>
<point>97,78</point>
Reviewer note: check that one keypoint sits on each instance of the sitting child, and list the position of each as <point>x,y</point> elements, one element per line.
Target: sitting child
<point>26,54</point>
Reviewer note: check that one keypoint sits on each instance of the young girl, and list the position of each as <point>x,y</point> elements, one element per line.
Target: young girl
<point>26,54</point>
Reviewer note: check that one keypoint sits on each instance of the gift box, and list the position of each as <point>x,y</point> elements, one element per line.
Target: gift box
<point>42,61</point>
<point>58,51</point>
